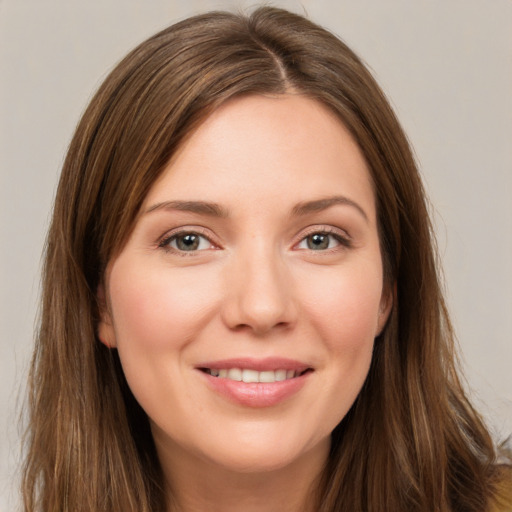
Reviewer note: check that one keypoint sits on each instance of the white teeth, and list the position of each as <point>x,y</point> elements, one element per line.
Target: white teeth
<point>247,375</point>
<point>267,376</point>
<point>280,375</point>
<point>250,376</point>
<point>235,374</point>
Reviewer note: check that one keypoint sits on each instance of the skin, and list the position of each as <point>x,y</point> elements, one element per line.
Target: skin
<point>254,287</point>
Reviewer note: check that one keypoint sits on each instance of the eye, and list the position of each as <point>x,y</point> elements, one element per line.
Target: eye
<point>188,241</point>
<point>321,241</point>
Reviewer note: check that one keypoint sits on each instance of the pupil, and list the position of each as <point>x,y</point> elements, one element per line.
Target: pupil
<point>188,242</point>
<point>318,241</point>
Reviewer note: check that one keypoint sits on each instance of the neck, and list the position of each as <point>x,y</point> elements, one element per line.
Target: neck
<point>195,484</point>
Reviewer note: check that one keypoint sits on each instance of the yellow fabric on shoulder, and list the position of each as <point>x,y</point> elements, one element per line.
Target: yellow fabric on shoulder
<point>502,501</point>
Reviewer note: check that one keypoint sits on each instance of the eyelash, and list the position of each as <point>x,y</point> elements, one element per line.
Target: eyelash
<point>343,240</point>
<point>164,243</point>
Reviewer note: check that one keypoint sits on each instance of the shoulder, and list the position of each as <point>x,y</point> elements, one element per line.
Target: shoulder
<point>502,497</point>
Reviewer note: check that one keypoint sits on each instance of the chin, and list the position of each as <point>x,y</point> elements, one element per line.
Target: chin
<point>264,456</point>
<point>255,462</point>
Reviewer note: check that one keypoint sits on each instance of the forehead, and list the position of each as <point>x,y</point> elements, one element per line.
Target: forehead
<point>267,151</point>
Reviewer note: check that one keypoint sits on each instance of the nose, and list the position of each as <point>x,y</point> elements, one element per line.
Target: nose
<point>259,293</point>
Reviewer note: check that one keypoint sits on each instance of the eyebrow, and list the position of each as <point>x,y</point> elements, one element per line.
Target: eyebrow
<point>318,205</point>
<point>200,207</point>
<point>216,210</point>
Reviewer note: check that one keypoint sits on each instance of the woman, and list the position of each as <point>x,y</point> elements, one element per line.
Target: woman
<point>241,305</point>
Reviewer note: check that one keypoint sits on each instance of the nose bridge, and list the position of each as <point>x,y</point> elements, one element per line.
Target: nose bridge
<point>259,284</point>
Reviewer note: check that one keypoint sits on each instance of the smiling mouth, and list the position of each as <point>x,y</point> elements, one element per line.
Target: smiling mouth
<point>254,376</point>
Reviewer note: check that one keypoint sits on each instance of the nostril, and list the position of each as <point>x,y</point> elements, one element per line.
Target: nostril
<point>259,327</point>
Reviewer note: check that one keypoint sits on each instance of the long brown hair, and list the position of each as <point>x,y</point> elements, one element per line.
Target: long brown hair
<point>411,441</point>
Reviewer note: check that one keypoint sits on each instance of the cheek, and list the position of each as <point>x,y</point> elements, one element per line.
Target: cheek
<point>155,309</point>
<point>342,311</point>
<point>345,307</point>
<point>157,313</point>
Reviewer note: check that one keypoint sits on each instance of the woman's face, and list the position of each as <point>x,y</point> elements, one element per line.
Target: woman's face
<point>255,257</point>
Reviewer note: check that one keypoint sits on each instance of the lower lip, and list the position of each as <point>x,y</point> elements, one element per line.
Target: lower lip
<point>257,394</point>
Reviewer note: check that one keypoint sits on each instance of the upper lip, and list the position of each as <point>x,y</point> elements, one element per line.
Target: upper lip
<point>258,364</point>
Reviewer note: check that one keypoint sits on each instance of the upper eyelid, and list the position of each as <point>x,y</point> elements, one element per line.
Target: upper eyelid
<point>345,241</point>
<point>322,228</point>
<point>183,230</point>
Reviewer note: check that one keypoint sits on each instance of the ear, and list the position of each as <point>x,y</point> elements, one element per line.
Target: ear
<point>106,332</point>
<point>386,305</point>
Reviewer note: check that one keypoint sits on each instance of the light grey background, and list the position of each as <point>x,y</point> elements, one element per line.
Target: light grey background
<point>445,64</point>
